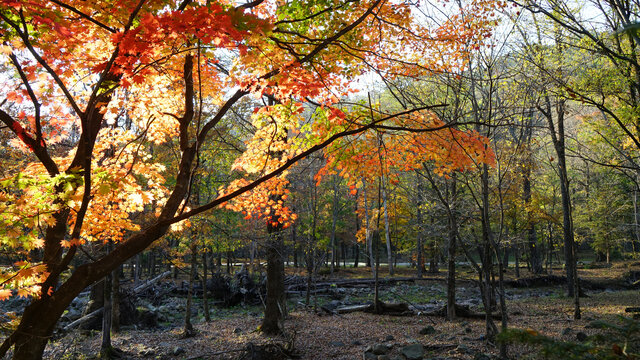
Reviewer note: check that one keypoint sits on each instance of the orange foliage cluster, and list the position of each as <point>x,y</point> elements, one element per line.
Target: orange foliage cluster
<point>386,153</point>
<point>267,150</point>
<point>140,47</point>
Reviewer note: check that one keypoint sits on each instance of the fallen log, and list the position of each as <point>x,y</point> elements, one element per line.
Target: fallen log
<point>394,309</point>
<point>351,308</point>
<point>148,283</point>
<point>82,320</point>
<point>462,311</point>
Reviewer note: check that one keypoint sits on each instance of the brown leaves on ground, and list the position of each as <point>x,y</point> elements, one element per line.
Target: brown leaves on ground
<point>347,336</point>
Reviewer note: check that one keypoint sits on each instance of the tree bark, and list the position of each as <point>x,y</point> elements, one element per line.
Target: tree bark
<point>310,266</point>
<point>295,245</point>
<point>105,346</point>
<point>636,214</point>
<point>558,139</point>
<point>137,272</point>
<point>376,294</point>
<point>188,327</point>
<point>356,246</point>
<point>115,302</point>
<point>451,264</point>
<point>419,232</point>
<point>275,302</point>
<point>387,236</point>
<point>487,258</point>
<point>368,240</point>
<point>334,220</point>
<point>535,256</point>
<point>205,298</point>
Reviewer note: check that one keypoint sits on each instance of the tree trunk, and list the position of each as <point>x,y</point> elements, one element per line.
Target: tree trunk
<point>138,269</point>
<point>252,254</point>
<point>295,245</point>
<point>451,266</point>
<point>356,257</point>
<point>376,296</point>
<point>487,261</point>
<point>152,263</point>
<point>368,240</point>
<point>550,250</point>
<point>310,265</point>
<point>567,219</point>
<point>505,257</point>
<point>635,218</point>
<point>386,227</point>
<point>188,327</point>
<point>115,302</point>
<point>516,252</point>
<point>275,301</point>
<point>419,232</point>
<point>503,308</point>
<point>534,249</point>
<point>334,219</point>
<point>36,326</point>
<point>356,246</point>
<point>433,264</point>
<point>105,347</point>
<point>205,299</point>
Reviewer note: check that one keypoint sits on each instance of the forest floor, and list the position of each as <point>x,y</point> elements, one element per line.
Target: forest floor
<point>316,334</point>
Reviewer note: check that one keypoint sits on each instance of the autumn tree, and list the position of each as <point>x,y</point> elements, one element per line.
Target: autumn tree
<point>174,71</point>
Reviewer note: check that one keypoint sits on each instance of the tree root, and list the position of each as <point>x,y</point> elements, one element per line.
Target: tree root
<point>110,353</point>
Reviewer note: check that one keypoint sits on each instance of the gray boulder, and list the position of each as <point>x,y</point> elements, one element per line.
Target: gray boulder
<point>413,352</point>
<point>427,330</point>
<point>380,349</point>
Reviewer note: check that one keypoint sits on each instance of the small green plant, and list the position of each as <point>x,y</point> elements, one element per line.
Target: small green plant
<point>616,341</point>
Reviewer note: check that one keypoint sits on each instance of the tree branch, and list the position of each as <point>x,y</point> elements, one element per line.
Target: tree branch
<point>83,15</point>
